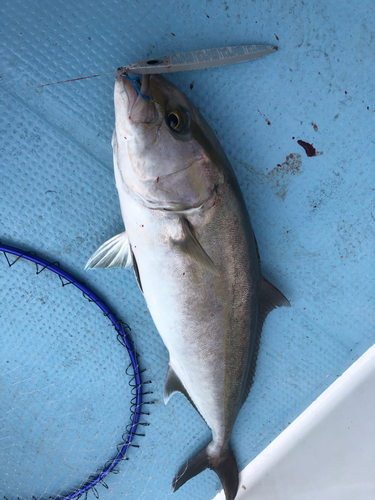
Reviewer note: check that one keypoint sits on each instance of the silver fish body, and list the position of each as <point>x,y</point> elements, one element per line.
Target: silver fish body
<point>190,241</point>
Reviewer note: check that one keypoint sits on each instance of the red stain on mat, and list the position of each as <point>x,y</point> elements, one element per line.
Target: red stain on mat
<point>264,116</point>
<point>309,148</point>
<point>280,175</point>
<point>291,165</point>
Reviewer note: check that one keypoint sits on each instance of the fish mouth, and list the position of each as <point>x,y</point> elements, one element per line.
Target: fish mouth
<point>138,103</point>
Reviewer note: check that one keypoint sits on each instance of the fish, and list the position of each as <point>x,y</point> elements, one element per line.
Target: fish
<point>189,239</point>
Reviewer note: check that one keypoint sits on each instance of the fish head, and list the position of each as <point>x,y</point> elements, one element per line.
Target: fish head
<point>165,153</point>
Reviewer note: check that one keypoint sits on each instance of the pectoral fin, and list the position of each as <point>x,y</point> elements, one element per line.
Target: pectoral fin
<point>190,246</point>
<point>115,252</point>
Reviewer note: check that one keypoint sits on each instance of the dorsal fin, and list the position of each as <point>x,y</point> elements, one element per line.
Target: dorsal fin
<point>269,297</point>
<point>173,384</point>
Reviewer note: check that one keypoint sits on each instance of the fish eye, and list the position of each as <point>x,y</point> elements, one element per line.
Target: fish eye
<point>178,120</point>
<point>173,120</point>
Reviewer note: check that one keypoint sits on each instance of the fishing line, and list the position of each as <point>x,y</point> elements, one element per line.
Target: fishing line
<point>134,81</point>
<point>33,87</point>
<point>133,370</point>
<point>75,79</point>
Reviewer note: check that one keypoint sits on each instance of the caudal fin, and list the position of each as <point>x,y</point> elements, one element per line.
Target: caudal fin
<point>224,465</point>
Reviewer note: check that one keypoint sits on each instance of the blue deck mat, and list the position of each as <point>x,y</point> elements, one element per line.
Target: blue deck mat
<point>64,393</point>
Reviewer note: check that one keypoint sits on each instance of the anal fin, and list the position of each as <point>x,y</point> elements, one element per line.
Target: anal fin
<point>173,384</point>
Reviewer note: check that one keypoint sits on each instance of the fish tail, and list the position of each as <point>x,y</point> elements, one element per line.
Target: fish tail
<point>224,464</point>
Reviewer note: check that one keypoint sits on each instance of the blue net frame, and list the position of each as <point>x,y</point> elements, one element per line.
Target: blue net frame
<point>135,382</point>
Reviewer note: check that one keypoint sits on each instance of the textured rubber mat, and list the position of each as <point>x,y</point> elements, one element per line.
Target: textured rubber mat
<point>64,393</point>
